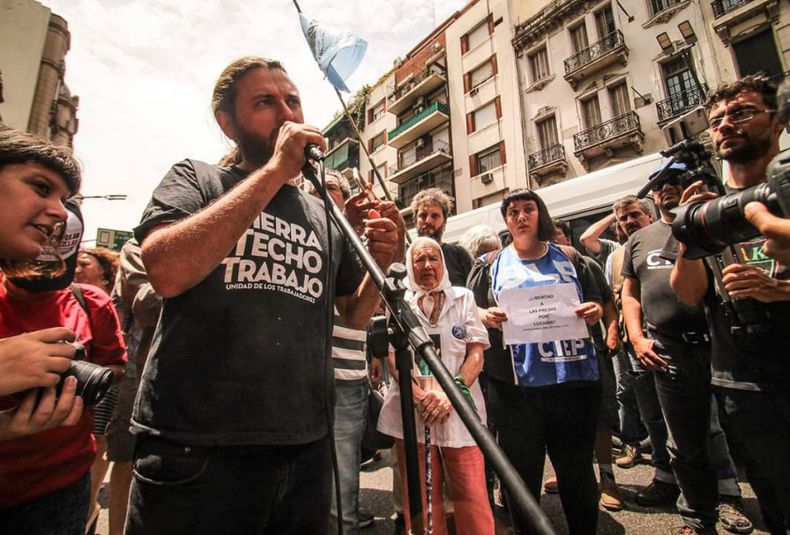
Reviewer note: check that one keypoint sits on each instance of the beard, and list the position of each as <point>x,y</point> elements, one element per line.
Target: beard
<point>429,231</point>
<point>751,150</point>
<point>256,149</point>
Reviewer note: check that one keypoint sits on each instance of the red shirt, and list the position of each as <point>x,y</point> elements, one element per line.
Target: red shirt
<point>39,464</point>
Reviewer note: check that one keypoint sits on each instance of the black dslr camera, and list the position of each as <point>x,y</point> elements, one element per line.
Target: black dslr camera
<point>709,227</point>
<point>93,380</point>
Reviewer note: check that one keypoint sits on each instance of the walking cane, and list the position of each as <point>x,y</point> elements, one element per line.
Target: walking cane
<point>428,481</point>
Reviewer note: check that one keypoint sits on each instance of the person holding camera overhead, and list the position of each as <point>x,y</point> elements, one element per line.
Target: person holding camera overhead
<point>750,368</point>
<point>45,476</point>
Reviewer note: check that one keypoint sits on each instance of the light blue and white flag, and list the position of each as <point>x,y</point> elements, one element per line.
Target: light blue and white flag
<point>338,54</point>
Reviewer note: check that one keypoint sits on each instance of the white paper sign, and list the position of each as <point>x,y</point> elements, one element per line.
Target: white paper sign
<point>541,314</point>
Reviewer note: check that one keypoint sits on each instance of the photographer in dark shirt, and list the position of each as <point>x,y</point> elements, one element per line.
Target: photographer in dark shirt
<point>750,370</point>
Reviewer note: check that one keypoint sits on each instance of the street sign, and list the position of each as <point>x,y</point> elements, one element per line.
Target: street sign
<point>112,239</point>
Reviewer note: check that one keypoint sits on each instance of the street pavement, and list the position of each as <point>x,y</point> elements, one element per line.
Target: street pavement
<point>376,498</point>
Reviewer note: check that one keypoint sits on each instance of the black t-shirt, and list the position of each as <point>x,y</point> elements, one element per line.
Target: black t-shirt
<point>242,357</point>
<point>660,306</point>
<point>458,263</point>
<point>756,362</point>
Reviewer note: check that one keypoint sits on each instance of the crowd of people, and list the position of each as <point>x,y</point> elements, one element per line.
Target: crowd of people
<point>234,325</point>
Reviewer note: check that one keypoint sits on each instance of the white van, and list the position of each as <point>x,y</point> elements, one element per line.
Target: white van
<point>580,201</point>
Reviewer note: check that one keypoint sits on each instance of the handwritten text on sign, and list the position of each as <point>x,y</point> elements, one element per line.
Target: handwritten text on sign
<point>541,314</point>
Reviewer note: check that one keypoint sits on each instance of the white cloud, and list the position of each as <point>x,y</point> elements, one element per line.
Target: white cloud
<point>144,72</point>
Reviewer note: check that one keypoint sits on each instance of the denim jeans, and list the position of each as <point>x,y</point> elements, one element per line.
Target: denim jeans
<point>351,406</point>
<point>644,386</point>
<point>561,420</point>
<point>631,428</point>
<point>760,422</point>
<point>684,392</point>
<point>62,512</point>
<point>230,489</point>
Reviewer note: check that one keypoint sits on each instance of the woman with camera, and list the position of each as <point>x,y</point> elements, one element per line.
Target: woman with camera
<point>45,476</point>
<point>449,316</point>
<point>35,179</point>
<point>543,396</point>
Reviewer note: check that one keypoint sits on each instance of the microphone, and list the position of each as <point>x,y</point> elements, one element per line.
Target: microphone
<point>313,153</point>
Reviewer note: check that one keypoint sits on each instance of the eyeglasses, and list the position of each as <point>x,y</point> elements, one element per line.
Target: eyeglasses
<point>738,116</point>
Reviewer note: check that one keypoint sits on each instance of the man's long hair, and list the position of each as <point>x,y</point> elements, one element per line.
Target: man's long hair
<point>224,96</point>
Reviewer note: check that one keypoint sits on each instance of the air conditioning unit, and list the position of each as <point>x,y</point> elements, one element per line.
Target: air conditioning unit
<point>420,143</point>
<point>486,178</point>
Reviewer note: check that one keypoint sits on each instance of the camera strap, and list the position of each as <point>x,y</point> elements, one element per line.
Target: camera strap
<point>80,297</point>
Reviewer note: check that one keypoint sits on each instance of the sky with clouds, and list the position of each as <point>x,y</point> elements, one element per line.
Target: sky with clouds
<point>144,72</point>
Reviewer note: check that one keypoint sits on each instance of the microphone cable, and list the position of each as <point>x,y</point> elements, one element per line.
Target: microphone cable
<point>329,374</point>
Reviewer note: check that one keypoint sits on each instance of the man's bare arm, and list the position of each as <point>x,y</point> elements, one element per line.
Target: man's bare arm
<point>632,317</point>
<point>180,255</point>
<point>589,237</point>
<point>357,309</point>
<point>689,279</point>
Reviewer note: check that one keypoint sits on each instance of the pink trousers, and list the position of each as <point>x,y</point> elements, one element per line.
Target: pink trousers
<point>465,469</point>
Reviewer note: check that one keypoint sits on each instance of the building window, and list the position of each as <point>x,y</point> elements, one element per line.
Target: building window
<point>657,6</point>
<point>479,75</point>
<point>539,64</point>
<point>478,35</point>
<point>758,53</point>
<point>378,140</point>
<point>579,37</point>
<point>494,198</point>
<point>485,115</point>
<point>591,112</point>
<point>604,22</point>
<point>618,96</point>
<point>547,132</point>
<point>376,112</point>
<point>487,160</point>
<point>678,78</point>
<point>482,73</point>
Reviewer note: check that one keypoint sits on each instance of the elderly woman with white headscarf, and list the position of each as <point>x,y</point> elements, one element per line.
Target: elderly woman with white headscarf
<point>449,315</point>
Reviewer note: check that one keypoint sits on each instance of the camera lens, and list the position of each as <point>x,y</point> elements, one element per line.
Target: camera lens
<point>93,380</point>
<point>708,227</point>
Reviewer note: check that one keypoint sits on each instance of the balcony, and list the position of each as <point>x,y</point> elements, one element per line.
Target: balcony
<point>602,139</point>
<point>548,161</point>
<point>410,188</point>
<point>663,11</point>
<point>679,103</point>
<point>730,15</point>
<point>418,125</point>
<point>611,49</point>
<point>343,156</point>
<point>420,162</point>
<point>722,7</point>
<point>425,83</point>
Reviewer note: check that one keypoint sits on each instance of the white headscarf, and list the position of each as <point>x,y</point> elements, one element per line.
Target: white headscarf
<point>444,284</point>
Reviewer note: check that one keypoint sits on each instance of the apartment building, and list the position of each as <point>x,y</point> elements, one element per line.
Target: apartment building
<point>599,79</point>
<point>488,143</point>
<point>33,94</point>
<point>756,34</point>
<point>416,103</point>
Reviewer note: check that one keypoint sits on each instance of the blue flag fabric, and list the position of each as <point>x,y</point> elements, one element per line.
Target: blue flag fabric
<point>338,54</point>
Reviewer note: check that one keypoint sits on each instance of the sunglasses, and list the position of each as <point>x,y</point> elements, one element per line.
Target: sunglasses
<point>672,181</point>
